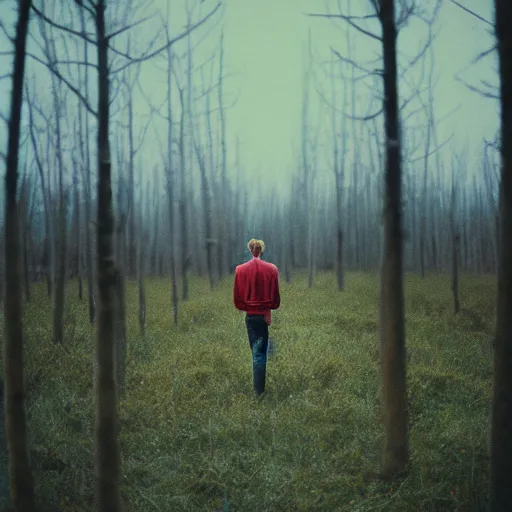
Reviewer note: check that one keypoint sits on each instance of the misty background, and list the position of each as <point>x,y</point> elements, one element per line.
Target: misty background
<point>266,52</point>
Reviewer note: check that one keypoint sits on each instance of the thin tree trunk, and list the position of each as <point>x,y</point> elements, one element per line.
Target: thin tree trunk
<point>77,223</point>
<point>392,332</point>
<point>224,247</point>
<point>185,259</point>
<point>171,186</point>
<point>455,249</point>
<point>24,227</point>
<point>106,435</point>
<point>20,472</point>
<point>60,251</point>
<point>141,243</point>
<point>84,135</point>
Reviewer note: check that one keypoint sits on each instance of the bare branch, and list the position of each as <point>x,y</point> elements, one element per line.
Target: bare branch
<point>484,54</point>
<point>7,75</point>
<point>355,64</point>
<point>411,114</point>
<point>67,82</point>
<point>127,56</point>
<point>91,8</point>
<point>348,19</point>
<point>415,94</point>
<point>142,136</point>
<point>152,108</point>
<point>127,27</point>
<point>82,35</point>
<point>366,118</point>
<point>4,30</point>
<point>485,94</point>
<point>3,117</point>
<point>147,56</point>
<point>352,18</point>
<point>77,62</point>
<point>435,150</point>
<point>420,54</point>
<point>464,8</point>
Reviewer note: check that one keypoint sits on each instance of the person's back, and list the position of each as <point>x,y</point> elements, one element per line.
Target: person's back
<point>256,291</point>
<point>257,288</point>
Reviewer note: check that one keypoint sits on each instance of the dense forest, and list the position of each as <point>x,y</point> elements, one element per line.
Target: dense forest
<point>105,202</point>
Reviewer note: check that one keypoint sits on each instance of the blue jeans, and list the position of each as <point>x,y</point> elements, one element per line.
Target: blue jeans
<point>257,329</point>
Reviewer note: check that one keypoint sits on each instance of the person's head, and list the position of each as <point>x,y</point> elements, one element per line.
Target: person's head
<point>256,247</point>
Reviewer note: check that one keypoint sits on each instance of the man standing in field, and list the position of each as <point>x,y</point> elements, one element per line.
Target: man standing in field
<point>256,291</point>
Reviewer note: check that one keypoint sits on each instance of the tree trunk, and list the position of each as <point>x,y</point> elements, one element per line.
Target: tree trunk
<point>224,247</point>
<point>84,135</point>
<point>455,251</point>
<point>171,187</point>
<point>120,333</point>
<point>60,218</point>
<point>106,435</point>
<point>77,223</point>
<point>20,472</point>
<point>24,228</point>
<point>131,185</point>
<point>501,433</point>
<point>392,332</point>
<point>207,210</point>
<point>183,203</point>
<point>141,243</point>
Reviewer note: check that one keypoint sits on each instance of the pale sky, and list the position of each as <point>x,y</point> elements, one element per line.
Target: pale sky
<point>265,44</point>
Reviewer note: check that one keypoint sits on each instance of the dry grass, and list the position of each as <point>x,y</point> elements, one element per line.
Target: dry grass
<point>194,439</point>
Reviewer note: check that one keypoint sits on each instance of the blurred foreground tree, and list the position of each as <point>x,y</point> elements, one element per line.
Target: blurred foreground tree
<point>20,472</point>
<point>501,434</point>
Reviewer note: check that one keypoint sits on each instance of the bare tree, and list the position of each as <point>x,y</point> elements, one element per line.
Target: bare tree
<point>171,179</point>
<point>339,175</point>
<point>20,472</point>
<point>107,449</point>
<point>224,196</point>
<point>455,238</point>
<point>60,240</point>
<point>501,433</point>
<point>392,331</point>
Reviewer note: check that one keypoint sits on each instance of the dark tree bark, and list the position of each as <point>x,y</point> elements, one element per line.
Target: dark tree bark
<point>107,447</point>
<point>20,472</point>
<point>185,259</point>
<point>46,199</point>
<point>77,271</point>
<point>455,249</point>
<point>207,217</point>
<point>84,135</point>
<point>60,234</point>
<point>224,198</point>
<point>24,227</point>
<point>501,433</point>
<point>141,253</point>
<point>392,332</point>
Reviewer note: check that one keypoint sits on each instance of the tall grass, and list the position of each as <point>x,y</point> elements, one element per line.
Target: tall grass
<point>194,438</point>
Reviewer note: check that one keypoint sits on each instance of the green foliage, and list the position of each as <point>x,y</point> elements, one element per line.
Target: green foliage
<point>194,438</point>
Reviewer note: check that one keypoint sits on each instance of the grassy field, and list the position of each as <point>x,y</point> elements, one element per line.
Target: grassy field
<point>194,438</point>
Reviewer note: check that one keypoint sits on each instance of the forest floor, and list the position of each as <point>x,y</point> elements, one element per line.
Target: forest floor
<point>193,437</point>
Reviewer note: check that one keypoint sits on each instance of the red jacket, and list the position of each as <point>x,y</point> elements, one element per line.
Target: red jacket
<point>256,289</point>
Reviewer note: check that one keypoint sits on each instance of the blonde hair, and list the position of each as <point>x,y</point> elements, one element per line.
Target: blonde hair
<point>256,246</point>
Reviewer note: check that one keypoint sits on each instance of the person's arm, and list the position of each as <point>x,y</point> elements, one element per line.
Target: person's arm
<point>237,292</point>
<point>276,296</point>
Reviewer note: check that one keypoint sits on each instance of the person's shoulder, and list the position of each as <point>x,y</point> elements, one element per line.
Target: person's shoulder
<point>270,266</point>
<point>241,267</point>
